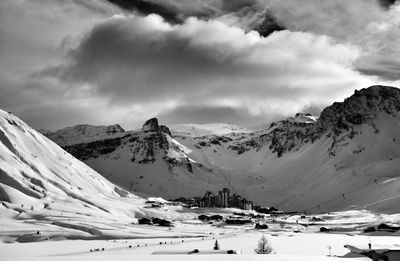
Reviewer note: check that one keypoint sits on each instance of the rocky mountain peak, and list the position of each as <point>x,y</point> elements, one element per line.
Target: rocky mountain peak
<point>362,107</point>
<point>152,125</point>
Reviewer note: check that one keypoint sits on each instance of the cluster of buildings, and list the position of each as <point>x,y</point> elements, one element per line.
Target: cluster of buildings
<point>222,199</point>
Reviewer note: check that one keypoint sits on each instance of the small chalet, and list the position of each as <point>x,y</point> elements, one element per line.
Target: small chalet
<point>386,253</point>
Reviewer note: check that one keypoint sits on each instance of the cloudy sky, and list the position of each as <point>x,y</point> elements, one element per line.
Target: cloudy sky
<point>66,62</point>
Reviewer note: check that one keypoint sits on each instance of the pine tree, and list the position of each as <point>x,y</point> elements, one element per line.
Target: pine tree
<point>263,246</point>
<point>216,245</point>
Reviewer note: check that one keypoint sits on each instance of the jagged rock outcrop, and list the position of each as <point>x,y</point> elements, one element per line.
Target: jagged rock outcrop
<point>152,125</point>
<point>362,107</point>
<point>94,149</point>
<point>145,148</point>
<point>166,130</point>
<point>288,135</point>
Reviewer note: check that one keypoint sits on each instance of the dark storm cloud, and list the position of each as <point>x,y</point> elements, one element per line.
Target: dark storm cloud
<point>147,7</point>
<point>177,11</point>
<point>247,14</point>
<point>387,3</point>
<point>337,17</point>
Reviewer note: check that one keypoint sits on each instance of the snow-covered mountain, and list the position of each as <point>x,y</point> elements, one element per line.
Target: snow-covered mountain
<point>148,161</point>
<point>349,156</point>
<point>41,181</point>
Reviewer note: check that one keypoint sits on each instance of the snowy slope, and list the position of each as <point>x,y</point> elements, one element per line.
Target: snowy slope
<point>347,157</point>
<point>40,181</point>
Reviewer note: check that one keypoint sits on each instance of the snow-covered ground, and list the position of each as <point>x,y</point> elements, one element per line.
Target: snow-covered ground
<point>292,238</point>
<point>287,246</point>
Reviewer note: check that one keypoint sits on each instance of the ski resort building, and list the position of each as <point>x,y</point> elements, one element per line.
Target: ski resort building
<point>224,200</point>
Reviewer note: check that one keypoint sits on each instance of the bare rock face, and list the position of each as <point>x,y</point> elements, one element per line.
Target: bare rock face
<point>362,107</point>
<point>151,125</point>
<point>166,130</point>
<point>94,149</point>
<point>289,135</point>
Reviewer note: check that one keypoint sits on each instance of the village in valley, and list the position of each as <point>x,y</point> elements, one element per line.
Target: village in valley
<point>222,199</point>
<point>229,218</point>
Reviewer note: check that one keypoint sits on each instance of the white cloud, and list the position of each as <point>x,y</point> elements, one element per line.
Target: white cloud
<point>143,60</point>
<point>125,68</point>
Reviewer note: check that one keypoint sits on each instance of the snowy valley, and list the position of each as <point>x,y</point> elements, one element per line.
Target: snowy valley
<point>339,184</point>
<point>346,158</point>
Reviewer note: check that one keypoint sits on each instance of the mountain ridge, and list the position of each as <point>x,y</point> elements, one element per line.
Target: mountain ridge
<point>262,164</point>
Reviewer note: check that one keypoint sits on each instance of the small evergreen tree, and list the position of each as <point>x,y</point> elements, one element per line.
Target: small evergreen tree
<point>216,245</point>
<point>263,246</point>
